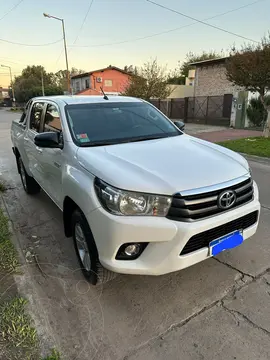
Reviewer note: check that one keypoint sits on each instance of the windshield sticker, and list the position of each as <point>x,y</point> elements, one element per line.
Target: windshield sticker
<point>82,137</point>
<point>117,110</point>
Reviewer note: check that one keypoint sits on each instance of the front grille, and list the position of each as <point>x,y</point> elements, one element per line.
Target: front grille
<point>203,239</point>
<point>196,207</point>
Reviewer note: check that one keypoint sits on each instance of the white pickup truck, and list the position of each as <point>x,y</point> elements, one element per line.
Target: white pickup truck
<point>138,195</point>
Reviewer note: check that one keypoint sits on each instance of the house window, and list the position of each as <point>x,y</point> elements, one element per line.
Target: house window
<point>108,83</point>
<point>77,86</point>
<point>87,84</point>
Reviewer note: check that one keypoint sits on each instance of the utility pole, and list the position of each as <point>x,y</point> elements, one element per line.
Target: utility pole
<point>65,46</point>
<point>42,83</point>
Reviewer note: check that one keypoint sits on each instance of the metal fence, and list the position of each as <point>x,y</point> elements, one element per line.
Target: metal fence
<point>212,110</point>
<point>173,108</point>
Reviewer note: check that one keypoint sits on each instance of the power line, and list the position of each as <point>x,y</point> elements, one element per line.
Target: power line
<point>15,43</point>
<point>171,30</point>
<point>81,27</point>
<point>200,21</point>
<point>59,57</point>
<point>7,60</point>
<point>86,15</point>
<point>8,74</point>
<point>9,11</point>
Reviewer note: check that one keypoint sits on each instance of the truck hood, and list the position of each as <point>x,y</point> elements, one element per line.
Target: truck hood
<point>163,166</point>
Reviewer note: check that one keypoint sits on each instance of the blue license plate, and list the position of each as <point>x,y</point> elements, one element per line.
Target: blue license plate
<point>226,242</point>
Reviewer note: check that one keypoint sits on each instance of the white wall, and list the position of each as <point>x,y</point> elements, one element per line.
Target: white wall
<point>80,82</point>
<point>181,91</point>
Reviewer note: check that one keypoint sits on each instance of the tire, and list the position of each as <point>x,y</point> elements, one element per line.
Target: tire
<point>29,183</point>
<point>93,271</point>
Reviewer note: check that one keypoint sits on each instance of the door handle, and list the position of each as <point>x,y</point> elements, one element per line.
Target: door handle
<point>39,150</point>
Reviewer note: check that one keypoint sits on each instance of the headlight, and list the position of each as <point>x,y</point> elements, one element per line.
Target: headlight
<point>129,203</point>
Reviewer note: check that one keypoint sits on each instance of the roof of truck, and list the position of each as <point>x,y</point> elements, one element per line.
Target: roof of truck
<point>85,99</point>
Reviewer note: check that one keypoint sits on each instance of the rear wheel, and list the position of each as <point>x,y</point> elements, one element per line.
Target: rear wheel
<point>29,183</point>
<point>87,252</point>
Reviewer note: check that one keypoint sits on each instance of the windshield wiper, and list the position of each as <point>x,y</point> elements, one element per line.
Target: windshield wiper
<point>99,143</point>
<point>145,138</point>
<point>127,140</point>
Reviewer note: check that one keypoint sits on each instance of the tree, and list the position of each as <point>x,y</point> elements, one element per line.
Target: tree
<point>249,68</point>
<point>29,84</point>
<point>60,77</point>
<point>151,81</point>
<point>179,74</point>
<point>256,112</point>
<point>192,57</point>
<point>176,77</point>
<point>131,69</point>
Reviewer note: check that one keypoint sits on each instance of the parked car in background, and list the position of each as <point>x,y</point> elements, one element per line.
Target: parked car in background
<point>138,195</point>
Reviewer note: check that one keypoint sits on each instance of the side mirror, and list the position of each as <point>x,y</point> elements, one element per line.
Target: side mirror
<point>48,140</point>
<point>22,117</point>
<point>180,125</point>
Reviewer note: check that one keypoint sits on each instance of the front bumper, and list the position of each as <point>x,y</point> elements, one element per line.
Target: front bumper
<point>166,239</point>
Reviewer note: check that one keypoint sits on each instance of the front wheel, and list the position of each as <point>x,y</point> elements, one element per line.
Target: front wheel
<point>87,252</point>
<point>29,183</point>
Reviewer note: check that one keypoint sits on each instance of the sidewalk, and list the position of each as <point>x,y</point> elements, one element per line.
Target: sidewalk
<point>227,134</point>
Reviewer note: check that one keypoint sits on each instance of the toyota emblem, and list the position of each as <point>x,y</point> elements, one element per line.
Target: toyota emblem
<point>226,199</point>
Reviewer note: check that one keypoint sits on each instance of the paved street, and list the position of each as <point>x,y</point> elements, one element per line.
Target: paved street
<point>218,133</point>
<point>218,309</point>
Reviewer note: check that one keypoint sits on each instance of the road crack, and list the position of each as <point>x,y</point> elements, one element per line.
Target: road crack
<point>234,268</point>
<point>236,313</point>
<point>266,281</point>
<point>265,207</point>
<point>229,295</point>
<point>172,327</point>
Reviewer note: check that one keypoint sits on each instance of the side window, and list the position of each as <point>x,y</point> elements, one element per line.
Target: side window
<point>36,115</point>
<point>52,119</point>
<point>25,111</point>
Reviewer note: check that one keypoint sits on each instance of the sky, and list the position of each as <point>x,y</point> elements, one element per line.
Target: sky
<point>112,21</point>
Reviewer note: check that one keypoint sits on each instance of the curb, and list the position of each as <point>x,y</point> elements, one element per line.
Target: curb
<point>260,159</point>
<point>14,234</point>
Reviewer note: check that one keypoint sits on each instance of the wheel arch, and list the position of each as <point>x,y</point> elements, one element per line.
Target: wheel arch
<point>69,207</point>
<point>17,156</point>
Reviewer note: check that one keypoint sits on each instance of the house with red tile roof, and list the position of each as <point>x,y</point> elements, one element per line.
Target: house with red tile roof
<point>112,79</point>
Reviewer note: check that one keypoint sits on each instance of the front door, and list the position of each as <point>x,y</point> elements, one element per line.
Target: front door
<point>33,153</point>
<point>51,159</point>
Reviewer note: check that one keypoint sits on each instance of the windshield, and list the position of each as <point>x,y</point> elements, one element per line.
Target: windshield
<point>114,123</point>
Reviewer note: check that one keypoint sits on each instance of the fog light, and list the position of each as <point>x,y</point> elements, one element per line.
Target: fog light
<point>132,249</point>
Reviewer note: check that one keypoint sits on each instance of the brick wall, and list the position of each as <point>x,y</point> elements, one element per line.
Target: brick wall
<point>211,80</point>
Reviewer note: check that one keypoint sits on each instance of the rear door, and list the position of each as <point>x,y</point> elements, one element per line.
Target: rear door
<point>52,159</point>
<point>33,152</point>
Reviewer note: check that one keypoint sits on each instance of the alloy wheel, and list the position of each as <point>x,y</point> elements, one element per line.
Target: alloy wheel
<point>82,247</point>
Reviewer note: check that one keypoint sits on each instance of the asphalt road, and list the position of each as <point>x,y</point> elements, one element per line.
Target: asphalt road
<point>218,309</point>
